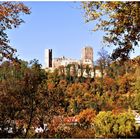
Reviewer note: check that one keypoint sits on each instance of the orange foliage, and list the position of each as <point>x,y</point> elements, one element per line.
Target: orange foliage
<point>86,115</point>
<point>118,110</point>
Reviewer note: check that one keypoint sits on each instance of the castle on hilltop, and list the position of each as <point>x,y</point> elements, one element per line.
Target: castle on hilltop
<point>86,59</point>
<point>81,66</point>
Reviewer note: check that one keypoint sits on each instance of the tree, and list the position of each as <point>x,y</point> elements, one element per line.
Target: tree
<point>85,117</point>
<point>87,70</point>
<point>110,125</point>
<point>103,62</point>
<point>18,89</point>
<point>68,74</point>
<point>120,21</point>
<point>137,75</point>
<point>10,18</point>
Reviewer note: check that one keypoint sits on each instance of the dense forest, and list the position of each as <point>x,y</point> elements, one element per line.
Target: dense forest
<point>103,106</point>
<point>63,104</point>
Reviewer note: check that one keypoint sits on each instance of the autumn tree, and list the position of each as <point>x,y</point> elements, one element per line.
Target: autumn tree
<point>19,84</point>
<point>137,75</point>
<point>10,13</point>
<point>120,21</point>
<point>110,125</point>
<point>86,117</point>
<point>103,63</point>
<point>135,103</point>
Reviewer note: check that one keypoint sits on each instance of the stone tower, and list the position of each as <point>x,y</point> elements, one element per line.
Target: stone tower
<point>48,58</point>
<point>87,55</point>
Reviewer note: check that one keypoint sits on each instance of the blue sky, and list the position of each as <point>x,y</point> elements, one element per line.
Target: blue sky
<point>56,25</point>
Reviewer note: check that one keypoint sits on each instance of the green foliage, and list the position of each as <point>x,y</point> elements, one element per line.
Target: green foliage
<point>108,125</point>
<point>136,102</point>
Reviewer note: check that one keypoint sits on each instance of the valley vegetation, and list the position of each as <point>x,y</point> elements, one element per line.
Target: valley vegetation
<point>102,107</point>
